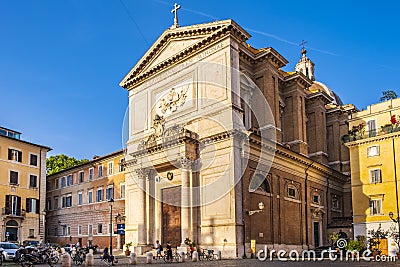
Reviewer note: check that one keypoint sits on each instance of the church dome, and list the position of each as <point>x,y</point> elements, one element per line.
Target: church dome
<point>318,86</point>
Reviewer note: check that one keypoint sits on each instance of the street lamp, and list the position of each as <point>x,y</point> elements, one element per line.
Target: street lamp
<point>397,220</point>
<point>111,201</point>
<point>260,208</point>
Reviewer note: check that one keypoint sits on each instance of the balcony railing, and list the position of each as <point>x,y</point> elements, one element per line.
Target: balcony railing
<point>10,212</point>
<point>354,136</point>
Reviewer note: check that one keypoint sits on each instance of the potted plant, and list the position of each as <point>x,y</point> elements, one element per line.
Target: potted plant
<point>333,237</point>
<point>375,240</point>
<point>127,247</point>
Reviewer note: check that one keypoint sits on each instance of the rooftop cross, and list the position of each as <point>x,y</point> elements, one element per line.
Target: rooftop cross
<point>302,44</point>
<point>175,11</point>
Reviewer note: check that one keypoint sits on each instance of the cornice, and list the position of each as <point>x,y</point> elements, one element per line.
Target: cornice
<point>296,78</point>
<point>301,159</point>
<point>265,54</point>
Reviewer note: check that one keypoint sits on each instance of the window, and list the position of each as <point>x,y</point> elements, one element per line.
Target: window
<point>81,177</point>
<point>90,196</point>
<point>99,195</point>
<point>57,183</point>
<point>373,151</point>
<point>33,160</point>
<point>69,180</point>
<point>13,177</point>
<point>375,206</point>
<point>33,181</point>
<point>110,168</point>
<point>69,230</point>
<point>55,231</point>
<point>291,191</point>
<point>265,186</point>
<point>90,174</point>
<point>80,198</point>
<point>79,229</point>
<point>100,228</point>
<point>31,233</point>
<point>100,171</point>
<point>48,204</point>
<point>90,230</point>
<point>67,201</point>
<point>14,155</point>
<point>13,205</point>
<point>316,199</point>
<point>109,192</point>
<point>122,190</point>
<point>371,128</point>
<point>56,206</point>
<point>121,166</point>
<point>335,203</point>
<point>375,176</point>
<point>63,182</point>
<point>32,205</point>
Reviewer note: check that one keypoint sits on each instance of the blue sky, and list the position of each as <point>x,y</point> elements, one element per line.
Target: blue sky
<point>61,61</point>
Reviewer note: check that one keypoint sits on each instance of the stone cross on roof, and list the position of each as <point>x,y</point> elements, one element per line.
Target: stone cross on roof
<point>175,11</point>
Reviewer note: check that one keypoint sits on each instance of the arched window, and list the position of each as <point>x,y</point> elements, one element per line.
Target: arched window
<point>265,187</point>
<point>259,183</point>
<point>12,223</point>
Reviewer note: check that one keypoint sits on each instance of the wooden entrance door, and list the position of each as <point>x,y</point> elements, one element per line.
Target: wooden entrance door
<point>171,216</point>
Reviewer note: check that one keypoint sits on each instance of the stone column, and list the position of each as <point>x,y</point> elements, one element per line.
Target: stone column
<point>151,208</point>
<point>186,166</point>
<point>141,210</point>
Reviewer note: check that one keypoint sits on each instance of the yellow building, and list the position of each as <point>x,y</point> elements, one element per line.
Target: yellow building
<point>374,145</point>
<point>23,187</point>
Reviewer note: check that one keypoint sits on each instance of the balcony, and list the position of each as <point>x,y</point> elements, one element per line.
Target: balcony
<point>360,134</point>
<point>13,213</point>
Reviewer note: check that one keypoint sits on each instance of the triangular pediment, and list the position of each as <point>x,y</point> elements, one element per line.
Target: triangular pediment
<point>174,43</point>
<point>173,47</point>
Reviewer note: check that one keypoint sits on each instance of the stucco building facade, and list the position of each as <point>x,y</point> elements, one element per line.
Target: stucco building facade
<point>374,145</point>
<point>78,203</point>
<point>23,187</point>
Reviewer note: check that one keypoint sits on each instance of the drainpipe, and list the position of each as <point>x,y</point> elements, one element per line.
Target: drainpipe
<point>306,202</point>
<point>395,180</point>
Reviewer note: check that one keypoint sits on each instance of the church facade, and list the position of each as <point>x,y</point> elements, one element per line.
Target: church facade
<point>225,147</point>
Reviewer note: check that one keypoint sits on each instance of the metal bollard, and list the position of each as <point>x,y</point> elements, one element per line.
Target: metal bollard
<point>132,258</point>
<point>89,259</point>
<point>65,260</point>
<point>195,256</point>
<point>219,255</point>
<point>149,258</point>
<point>182,258</point>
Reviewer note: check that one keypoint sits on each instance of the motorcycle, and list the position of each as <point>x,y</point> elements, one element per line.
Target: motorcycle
<point>29,256</point>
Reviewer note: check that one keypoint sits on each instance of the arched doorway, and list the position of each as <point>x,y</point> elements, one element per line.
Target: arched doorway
<point>12,230</point>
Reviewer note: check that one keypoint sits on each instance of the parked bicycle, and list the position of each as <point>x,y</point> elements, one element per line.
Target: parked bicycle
<point>175,257</point>
<point>207,254</point>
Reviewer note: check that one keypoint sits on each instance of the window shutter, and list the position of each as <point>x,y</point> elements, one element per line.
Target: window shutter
<point>37,206</point>
<point>19,205</point>
<point>8,204</point>
<point>28,205</point>
<point>10,154</point>
<point>19,156</point>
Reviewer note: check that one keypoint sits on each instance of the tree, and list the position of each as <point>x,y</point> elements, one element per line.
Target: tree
<point>388,95</point>
<point>61,162</point>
